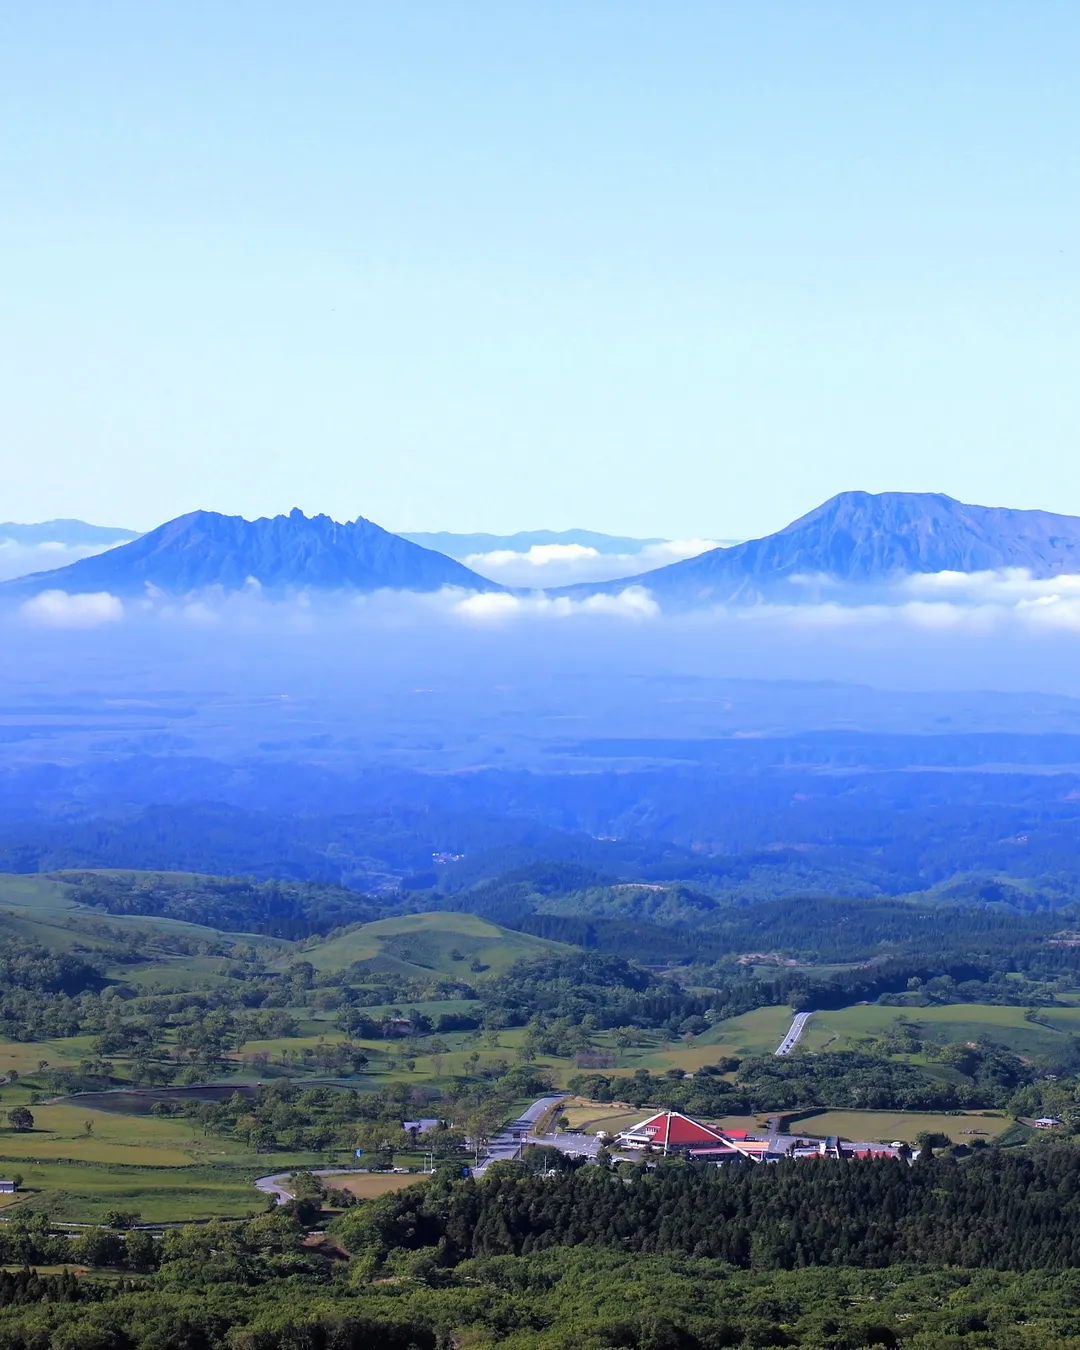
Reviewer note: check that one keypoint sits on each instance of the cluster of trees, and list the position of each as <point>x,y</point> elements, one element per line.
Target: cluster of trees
<point>992,1077</point>
<point>280,909</point>
<point>999,1210</point>
<point>585,1298</point>
<point>281,1116</point>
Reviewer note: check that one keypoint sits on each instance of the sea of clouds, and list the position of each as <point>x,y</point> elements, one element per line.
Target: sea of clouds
<point>1010,600</point>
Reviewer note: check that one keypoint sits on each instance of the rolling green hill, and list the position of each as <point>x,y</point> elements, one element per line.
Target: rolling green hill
<point>456,945</point>
<point>47,909</point>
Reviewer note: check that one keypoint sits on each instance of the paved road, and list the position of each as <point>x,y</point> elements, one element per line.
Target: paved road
<point>503,1147</point>
<point>507,1144</point>
<point>795,1031</point>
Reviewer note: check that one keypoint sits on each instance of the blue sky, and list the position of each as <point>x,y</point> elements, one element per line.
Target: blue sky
<point>681,269</point>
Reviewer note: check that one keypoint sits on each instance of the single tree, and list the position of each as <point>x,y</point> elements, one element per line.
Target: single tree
<point>20,1118</point>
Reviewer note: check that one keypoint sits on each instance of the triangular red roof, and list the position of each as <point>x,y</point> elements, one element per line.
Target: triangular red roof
<point>671,1129</point>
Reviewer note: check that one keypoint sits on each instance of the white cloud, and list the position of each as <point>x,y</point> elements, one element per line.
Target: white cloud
<point>498,607</point>
<point>966,602</point>
<point>539,555</point>
<point>19,560</point>
<point>58,609</point>
<point>564,564</point>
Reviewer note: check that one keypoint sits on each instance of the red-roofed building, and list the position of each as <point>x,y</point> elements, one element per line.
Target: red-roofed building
<point>671,1129</point>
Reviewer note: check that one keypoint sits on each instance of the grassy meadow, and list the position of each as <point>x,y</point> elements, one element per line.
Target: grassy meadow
<point>844,1028</point>
<point>422,944</point>
<point>370,1185</point>
<point>886,1126</point>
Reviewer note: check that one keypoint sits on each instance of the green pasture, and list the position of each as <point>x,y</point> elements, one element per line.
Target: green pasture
<point>174,974</point>
<point>886,1126</point>
<point>844,1028</point>
<point>82,1193</point>
<point>424,944</point>
<point>24,1056</point>
<point>60,1132</point>
<point>41,908</point>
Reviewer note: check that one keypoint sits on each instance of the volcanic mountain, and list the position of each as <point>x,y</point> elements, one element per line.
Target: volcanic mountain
<point>865,539</point>
<point>282,553</point>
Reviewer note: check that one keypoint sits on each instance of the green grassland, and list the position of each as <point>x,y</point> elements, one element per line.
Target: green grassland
<point>82,1193</point>
<point>425,944</point>
<point>753,1033</point>
<point>60,1132</point>
<point>41,909</point>
<point>844,1028</point>
<point>167,1169</point>
<point>886,1126</point>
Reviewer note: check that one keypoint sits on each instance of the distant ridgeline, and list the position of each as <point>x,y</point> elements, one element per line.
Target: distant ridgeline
<point>857,539</point>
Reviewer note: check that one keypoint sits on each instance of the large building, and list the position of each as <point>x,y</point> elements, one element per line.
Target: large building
<point>668,1130</point>
<point>672,1132</point>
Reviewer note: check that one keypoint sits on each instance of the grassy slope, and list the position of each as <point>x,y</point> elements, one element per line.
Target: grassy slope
<point>421,944</point>
<point>843,1028</point>
<point>42,908</point>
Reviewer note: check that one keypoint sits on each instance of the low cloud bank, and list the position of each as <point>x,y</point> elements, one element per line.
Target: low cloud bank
<point>19,560</point>
<point>565,564</point>
<point>495,607</point>
<point>58,609</point>
<point>985,602</point>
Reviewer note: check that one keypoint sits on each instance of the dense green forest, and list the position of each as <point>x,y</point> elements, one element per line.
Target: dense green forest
<point>1000,1209</point>
<point>938,1256</point>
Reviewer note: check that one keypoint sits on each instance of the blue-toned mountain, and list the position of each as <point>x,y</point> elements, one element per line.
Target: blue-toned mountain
<point>281,553</point>
<point>864,538</point>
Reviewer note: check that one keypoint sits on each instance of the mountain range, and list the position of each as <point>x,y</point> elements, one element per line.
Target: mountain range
<point>468,545</point>
<point>71,533</point>
<point>857,539</point>
<point>865,539</point>
<point>281,553</point>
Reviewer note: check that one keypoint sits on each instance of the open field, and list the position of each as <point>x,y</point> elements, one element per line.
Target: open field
<point>41,907</point>
<point>885,1126</point>
<point>753,1033</point>
<point>370,1185</point>
<point>25,1056</point>
<point>842,1028</point>
<point>80,1193</point>
<point>419,944</point>
<point>147,1141</point>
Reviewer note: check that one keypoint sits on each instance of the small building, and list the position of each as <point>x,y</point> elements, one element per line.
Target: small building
<point>1047,1123</point>
<point>418,1127</point>
<point>7,1187</point>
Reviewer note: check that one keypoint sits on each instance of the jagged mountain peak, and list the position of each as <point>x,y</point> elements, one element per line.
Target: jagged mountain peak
<point>284,552</point>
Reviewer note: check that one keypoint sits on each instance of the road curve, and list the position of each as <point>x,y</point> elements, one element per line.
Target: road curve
<point>794,1034</point>
<point>272,1185</point>
<point>507,1144</point>
<point>503,1147</point>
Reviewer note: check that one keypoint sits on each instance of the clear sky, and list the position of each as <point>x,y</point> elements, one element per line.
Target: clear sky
<point>666,268</point>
